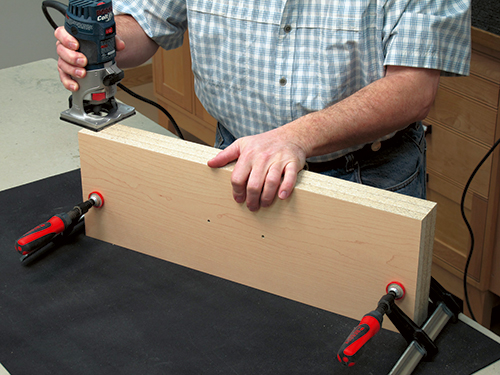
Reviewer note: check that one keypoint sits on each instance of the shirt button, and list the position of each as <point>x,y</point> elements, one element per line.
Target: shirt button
<point>287,28</point>
<point>376,146</point>
<point>283,81</point>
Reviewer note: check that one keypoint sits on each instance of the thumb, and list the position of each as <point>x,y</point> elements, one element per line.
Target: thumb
<point>120,44</point>
<point>225,157</point>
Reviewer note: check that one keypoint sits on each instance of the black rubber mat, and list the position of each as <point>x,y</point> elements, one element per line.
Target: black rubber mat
<point>84,306</point>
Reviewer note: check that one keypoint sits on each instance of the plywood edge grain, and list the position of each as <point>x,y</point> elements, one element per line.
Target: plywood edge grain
<point>425,265</point>
<point>163,200</point>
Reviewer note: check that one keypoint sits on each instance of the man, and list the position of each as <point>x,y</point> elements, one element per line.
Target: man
<point>338,87</point>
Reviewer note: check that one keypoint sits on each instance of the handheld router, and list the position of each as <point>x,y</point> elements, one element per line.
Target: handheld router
<point>92,23</point>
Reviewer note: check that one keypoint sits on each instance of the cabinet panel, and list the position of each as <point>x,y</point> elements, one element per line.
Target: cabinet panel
<point>466,116</point>
<point>495,274</point>
<point>202,114</point>
<point>494,233</point>
<point>455,157</point>
<point>474,87</point>
<point>484,66</point>
<point>452,240</point>
<point>174,89</point>
<point>202,130</point>
<point>173,78</point>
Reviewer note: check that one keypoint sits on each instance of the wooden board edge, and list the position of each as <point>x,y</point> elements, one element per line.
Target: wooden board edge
<point>425,266</point>
<point>379,199</point>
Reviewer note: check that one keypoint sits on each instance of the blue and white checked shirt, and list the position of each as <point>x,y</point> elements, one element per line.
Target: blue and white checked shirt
<point>259,64</point>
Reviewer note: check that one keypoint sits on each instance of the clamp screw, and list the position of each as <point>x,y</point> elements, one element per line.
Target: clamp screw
<point>97,199</point>
<point>397,288</point>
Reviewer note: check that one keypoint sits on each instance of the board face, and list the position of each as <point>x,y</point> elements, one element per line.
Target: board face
<point>333,244</point>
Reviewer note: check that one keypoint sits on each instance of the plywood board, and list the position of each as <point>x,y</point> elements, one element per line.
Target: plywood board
<point>333,244</point>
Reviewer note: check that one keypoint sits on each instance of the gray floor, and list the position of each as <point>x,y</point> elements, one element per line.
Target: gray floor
<point>35,144</point>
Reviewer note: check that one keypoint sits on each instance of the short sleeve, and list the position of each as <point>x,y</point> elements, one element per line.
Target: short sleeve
<point>163,21</point>
<point>433,34</point>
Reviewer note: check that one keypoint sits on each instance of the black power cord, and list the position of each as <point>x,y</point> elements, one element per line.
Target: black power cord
<point>471,233</point>
<point>154,104</point>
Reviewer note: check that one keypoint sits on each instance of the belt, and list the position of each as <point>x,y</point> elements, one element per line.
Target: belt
<point>342,161</point>
<point>324,166</point>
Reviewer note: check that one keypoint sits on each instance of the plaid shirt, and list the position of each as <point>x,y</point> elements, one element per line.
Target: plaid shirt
<point>259,64</point>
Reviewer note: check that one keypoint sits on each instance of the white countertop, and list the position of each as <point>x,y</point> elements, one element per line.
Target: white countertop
<point>34,142</point>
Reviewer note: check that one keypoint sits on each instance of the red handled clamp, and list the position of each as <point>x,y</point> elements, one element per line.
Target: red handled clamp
<point>45,233</point>
<point>368,326</point>
<point>421,345</point>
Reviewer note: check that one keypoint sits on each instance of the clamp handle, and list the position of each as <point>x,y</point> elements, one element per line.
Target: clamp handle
<point>360,335</point>
<point>43,234</point>
<point>369,325</point>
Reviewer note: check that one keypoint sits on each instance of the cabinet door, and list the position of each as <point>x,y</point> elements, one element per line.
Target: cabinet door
<point>454,156</point>
<point>174,89</point>
<point>452,241</point>
<point>173,77</point>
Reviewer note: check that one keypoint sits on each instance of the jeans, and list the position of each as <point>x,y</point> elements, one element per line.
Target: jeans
<point>399,165</point>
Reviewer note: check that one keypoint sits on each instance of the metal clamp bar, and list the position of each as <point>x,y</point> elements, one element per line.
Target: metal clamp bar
<point>414,353</point>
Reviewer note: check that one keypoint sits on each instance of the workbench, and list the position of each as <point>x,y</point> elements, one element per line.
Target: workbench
<point>85,306</point>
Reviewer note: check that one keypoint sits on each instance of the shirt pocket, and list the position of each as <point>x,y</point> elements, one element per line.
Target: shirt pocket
<point>331,51</point>
<point>224,36</point>
<point>238,10</point>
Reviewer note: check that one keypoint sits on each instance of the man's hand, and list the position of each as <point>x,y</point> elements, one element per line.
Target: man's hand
<point>267,165</point>
<point>72,63</point>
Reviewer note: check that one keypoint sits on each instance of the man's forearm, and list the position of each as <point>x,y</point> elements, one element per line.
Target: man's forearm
<point>387,105</point>
<point>139,47</point>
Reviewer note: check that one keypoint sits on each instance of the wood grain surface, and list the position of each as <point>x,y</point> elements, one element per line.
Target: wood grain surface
<point>333,244</point>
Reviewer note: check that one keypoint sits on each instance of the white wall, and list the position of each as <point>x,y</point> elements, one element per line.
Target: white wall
<point>25,34</point>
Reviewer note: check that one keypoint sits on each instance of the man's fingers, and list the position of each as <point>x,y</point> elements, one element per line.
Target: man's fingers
<point>67,72</point>
<point>254,188</point>
<point>71,63</point>
<point>68,82</point>
<point>240,179</point>
<point>72,58</point>
<point>240,174</point>
<point>271,184</point>
<point>65,38</point>
<point>289,180</point>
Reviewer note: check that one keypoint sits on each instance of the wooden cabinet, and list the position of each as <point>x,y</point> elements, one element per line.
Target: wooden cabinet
<point>174,89</point>
<point>465,123</point>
